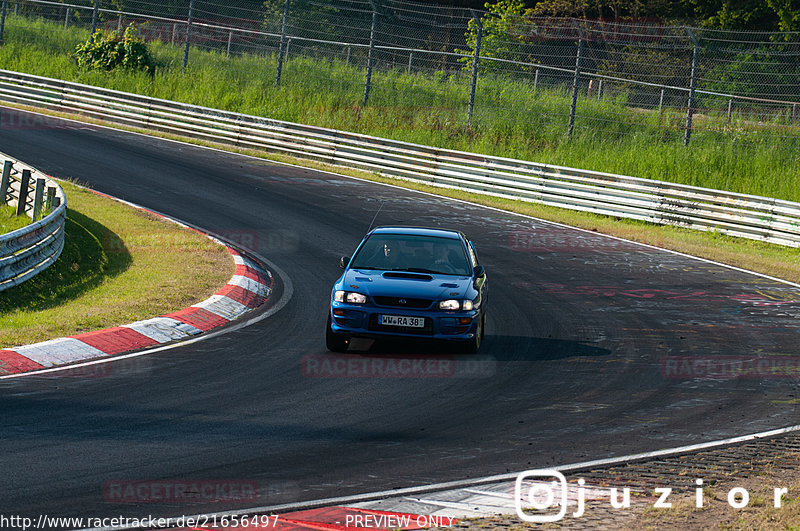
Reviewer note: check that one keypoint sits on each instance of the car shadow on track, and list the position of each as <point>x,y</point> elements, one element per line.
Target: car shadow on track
<point>501,348</point>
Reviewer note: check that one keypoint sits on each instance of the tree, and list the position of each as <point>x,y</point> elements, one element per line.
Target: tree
<point>788,13</point>
<point>502,35</point>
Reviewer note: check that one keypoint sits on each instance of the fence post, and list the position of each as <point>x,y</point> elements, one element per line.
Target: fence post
<point>371,54</point>
<point>730,106</point>
<point>599,90</point>
<point>23,191</point>
<point>282,46</point>
<point>476,57</point>
<point>228,49</point>
<point>348,56</point>
<point>188,35</point>
<point>5,182</point>
<point>174,31</point>
<point>794,112</point>
<point>573,106</point>
<point>66,19</point>
<point>535,80</point>
<point>410,58</point>
<point>38,194</point>
<point>660,102</point>
<point>94,18</point>
<point>692,85</point>
<point>16,8</point>
<point>51,193</point>
<point>119,22</point>
<point>2,20</point>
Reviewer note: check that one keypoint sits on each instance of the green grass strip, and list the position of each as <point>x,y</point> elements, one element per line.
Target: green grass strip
<point>10,221</point>
<point>119,265</point>
<point>511,118</point>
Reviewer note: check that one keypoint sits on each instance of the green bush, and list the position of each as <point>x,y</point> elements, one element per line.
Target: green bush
<point>110,50</point>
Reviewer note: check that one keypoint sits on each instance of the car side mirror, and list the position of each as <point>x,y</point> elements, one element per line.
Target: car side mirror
<point>478,271</point>
<point>343,261</point>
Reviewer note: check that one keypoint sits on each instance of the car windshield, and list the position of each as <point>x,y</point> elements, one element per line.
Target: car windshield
<point>415,253</point>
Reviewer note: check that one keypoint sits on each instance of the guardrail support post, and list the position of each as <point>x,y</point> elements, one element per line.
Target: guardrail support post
<point>24,184</point>
<point>692,86</point>
<point>371,54</point>
<point>476,57</point>
<point>282,46</point>
<point>95,8</point>
<point>51,194</point>
<point>5,182</point>
<point>38,195</point>
<point>188,35</point>
<point>3,20</point>
<point>573,106</point>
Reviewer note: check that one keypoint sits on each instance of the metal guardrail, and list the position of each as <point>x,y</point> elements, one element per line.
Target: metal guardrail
<point>758,218</point>
<point>30,250</point>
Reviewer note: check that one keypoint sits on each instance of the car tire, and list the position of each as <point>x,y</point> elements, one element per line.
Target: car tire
<point>334,342</point>
<point>473,345</point>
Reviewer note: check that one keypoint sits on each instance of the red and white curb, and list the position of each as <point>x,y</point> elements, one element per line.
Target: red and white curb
<point>249,287</point>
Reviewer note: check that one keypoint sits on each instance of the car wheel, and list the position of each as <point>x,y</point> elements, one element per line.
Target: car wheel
<point>334,342</point>
<point>473,345</point>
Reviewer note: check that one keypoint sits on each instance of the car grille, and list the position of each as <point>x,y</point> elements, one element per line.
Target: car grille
<point>424,331</point>
<point>394,302</point>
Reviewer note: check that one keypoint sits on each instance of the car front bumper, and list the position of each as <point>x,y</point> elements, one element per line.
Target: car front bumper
<point>364,321</point>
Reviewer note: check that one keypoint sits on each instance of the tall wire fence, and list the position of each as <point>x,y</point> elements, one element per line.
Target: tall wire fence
<point>475,67</point>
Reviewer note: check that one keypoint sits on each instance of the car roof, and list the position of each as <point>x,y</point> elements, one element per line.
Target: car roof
<point>419,231</point>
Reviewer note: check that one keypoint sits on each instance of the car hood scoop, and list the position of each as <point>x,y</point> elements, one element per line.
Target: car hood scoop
<point>407,275</point>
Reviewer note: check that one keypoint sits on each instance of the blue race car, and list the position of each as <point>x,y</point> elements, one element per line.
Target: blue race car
<point>410,282</point>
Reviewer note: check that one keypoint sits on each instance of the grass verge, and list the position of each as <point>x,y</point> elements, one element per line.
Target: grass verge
<point>119,265</point>
<point>10,221</point>
<point>512,118</point>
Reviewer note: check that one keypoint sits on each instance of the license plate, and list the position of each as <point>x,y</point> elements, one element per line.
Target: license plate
<point>402,320</point>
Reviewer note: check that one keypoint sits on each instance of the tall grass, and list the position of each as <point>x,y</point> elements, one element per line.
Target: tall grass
<point>511,118</point>
<point>9,221</point>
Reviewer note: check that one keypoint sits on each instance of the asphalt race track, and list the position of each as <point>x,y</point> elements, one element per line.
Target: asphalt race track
<point>585,354</point>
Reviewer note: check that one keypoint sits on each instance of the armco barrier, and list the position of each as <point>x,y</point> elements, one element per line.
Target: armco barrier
<point>30,250</point>
<point>758,218</point>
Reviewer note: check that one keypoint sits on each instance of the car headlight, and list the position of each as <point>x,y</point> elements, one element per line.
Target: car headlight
<point>355,298</point>
<point>350,297</point>
<point>453,304</point>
